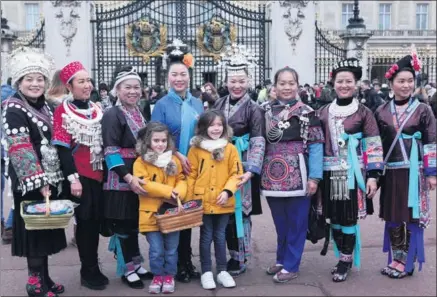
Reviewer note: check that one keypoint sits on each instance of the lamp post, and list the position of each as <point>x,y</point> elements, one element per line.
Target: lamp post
<point>356,37</point>
<point>7,37</point>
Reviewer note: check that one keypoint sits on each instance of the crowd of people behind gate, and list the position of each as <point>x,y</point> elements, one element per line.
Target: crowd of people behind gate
<point>125,165</point>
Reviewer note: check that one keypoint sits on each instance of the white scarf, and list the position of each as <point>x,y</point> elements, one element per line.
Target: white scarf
<point>162,160</point>
<point>211,145</point>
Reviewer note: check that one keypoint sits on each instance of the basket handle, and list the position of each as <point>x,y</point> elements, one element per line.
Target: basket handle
<point>180,207</point>
<point>47,198</point>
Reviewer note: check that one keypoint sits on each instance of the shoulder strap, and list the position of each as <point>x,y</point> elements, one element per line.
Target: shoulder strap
<point>398,135</point>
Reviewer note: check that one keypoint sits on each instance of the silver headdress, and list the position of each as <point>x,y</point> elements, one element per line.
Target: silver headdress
<point>238,59</point>
<point>25,60</point>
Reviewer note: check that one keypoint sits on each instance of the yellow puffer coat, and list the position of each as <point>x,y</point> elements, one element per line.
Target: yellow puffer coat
<point>208,178</point>
<point>159,187</point>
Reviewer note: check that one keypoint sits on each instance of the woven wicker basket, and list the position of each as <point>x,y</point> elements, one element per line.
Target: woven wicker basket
<point>183,219</point>
<point>46,221</point>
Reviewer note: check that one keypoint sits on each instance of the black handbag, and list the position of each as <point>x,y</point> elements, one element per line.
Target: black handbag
<point>318,229</point>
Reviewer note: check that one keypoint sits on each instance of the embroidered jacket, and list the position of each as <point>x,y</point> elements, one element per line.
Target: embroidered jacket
<point>21,122</point>
<point>119,133</point>
<point>294,151</point>
<point>159,187</point>
<point>208,178</point>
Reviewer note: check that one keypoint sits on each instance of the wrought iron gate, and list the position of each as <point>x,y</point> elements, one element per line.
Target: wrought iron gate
<point>327,54</point>
<point>175,20</point>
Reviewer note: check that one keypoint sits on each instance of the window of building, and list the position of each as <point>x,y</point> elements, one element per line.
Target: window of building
<point>32,15</point>
<point>422,16</point>
<point>384,16</point>
<point>347,12</point>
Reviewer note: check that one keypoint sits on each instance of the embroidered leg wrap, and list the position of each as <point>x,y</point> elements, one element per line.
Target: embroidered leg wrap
<point>400,239</point>
<point>337,236</point>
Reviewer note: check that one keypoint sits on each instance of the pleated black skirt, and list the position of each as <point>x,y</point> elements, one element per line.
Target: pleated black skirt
<point>120,205</point>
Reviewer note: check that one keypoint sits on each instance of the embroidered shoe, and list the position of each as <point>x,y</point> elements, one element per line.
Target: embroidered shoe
<point>156,285</point>
<point>207,281</point>
<point>33,286</point>
<point>168,284</point>
<point>226,280</point>
<point>284,277</point>
<point>272,270</point>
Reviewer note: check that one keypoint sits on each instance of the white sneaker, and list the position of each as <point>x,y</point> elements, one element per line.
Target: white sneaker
<point>207,280</point>
<point>225,279</point>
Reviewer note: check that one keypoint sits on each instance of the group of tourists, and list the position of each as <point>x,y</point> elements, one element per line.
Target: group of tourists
<point>122,171</point>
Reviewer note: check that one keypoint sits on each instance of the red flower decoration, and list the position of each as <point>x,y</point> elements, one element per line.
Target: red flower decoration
<point>391,71</point>
<point>330,74</point>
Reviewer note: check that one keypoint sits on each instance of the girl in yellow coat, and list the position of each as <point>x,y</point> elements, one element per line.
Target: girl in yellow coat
<point>164,182</point>
<point>215,168</point>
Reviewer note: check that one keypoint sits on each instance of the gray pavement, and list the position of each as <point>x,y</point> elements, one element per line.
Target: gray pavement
<point>314,278</point>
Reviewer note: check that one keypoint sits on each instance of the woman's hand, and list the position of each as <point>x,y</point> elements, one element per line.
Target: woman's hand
<point>222,199</point>
<point>136,184</point>
<point>311,187</point>
<point>186,166</point>
<point>45,191</point>
<point>76,188</point>
<point>371,187</point>
<point>431,181</point>
<point>245,178</point>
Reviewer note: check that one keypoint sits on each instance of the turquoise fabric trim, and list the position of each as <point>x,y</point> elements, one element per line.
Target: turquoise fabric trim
<point>354,171</point>
<point>189,117</point>
<point>336,251</point>
<point>413,187</point>
<point>242,145</point>
<point>113,160</point>
<point>115,247</point>
<point>357,250</point>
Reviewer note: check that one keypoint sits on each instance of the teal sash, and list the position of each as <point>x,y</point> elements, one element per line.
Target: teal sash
<point>354,170</point>
<point>115,247</point>
<point>413,187</point>
<point>242,145</point>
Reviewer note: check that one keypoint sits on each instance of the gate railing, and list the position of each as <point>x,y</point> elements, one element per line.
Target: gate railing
<point>327,54</point>
<point>36,40</point>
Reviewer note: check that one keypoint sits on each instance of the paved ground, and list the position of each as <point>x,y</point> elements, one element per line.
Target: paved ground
<point>314,279</point>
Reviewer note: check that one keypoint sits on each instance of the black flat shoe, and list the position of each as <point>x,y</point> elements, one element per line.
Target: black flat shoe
<point>138,284</point>
<point>183,276</point>
<point>57,289</point>
<point>148,275</point>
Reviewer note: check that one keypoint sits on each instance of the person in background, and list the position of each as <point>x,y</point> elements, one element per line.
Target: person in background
<point>95,97</point>
<point>105,102</point>
<point>7,89</point>
<point>144,104</point>
<point>369,96</point>
<point>57,92</point>
<point>223,90</point>
<point>209,95</point>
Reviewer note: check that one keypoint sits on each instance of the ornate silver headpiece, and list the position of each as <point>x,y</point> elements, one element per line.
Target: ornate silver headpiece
<point>177,44</point>
<point>25,60</point>
<point>237,59</point>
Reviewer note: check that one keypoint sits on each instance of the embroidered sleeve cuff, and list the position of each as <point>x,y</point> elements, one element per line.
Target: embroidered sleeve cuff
<point>375,166</point>
<point>61,143</point>
<point>33,182</point>
<point>114,160</point>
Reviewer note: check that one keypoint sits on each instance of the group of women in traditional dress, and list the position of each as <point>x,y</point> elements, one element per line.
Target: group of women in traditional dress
<point>335,157</point>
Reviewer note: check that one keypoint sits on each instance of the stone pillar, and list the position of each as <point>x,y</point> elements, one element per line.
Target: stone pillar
<point>355,39</point>
<point>68,32</point>
<point>292,38</point>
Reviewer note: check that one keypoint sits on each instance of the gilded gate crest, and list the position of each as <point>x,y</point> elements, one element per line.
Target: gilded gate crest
<point>146,39</point>
<point>213,37</point>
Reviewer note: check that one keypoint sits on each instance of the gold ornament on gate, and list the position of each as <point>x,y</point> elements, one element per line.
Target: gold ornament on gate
<point>146,39</point>
<point>213,37</point>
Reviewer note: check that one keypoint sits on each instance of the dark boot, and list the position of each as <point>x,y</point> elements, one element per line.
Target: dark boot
<point>183,274</point>
<point>345,264</point>
<point>91,278</point>
<point>338,239</point>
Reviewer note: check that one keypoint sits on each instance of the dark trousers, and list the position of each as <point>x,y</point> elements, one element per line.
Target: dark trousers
<point>184,248</point>
<point>213,229</point>
<point>290,216</point>
<point>87,239</point>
